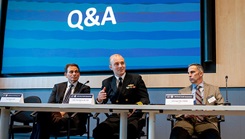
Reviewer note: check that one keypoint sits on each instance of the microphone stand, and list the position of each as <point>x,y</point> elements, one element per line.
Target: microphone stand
<point>226,101</point>
<point>83,86</point>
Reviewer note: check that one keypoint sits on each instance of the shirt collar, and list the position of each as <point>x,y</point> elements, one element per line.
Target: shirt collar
<point>194,85</point>
<point>74,84</point>
<point>123,76</point>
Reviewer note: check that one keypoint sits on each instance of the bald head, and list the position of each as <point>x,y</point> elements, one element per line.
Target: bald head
<point>117,64</point>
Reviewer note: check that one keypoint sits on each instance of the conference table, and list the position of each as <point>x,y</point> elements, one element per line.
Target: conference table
<point>152,110</point>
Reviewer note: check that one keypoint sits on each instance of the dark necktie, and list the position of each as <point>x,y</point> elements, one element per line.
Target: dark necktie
<point>66,100</point>
<point>119,88</point>
<point>199,118</point>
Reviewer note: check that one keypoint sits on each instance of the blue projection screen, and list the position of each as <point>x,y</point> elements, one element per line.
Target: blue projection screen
<point>42,36</point>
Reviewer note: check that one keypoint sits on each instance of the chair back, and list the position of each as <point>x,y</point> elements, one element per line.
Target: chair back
<point>25,116</point>
<point>32,99</point>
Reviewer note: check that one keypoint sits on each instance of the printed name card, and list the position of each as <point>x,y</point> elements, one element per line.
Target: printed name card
<point>81,99</point>
<point>179,99</point>
<point>12,97</point>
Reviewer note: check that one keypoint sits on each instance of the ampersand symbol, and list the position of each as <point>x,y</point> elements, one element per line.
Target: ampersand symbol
<point>90,16</point>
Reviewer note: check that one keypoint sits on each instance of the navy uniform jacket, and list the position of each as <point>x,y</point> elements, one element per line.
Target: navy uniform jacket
<point>133,91</point>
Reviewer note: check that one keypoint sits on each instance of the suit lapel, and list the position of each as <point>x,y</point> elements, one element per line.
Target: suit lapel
<point>63,90</point>
<point>126,82</point>
<point>206,92</point>
<point>114,84</point>
<point>187,90</point>
<point>190,89</point>
<point>78,88</point>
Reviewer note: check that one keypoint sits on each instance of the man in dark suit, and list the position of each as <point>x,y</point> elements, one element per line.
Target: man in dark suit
<point>131,90</point>
<point>204,125</point>
<point>51,122</point>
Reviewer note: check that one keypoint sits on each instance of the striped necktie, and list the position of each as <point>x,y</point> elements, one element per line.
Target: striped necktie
<point>198,95</point>
<point>67,97</point>
<point>199,118</point>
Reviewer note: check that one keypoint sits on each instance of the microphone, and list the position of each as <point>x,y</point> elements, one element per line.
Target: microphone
<point>86,82</point>
<point>226,92</point>
<point>83,85</point>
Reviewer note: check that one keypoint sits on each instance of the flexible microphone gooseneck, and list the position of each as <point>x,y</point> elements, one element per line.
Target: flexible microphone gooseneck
<point>83,85</point>
<point>226,92</point>
<point>86,82</point>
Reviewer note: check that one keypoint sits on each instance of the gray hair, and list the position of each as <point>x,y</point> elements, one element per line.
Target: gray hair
<point>199,66</point>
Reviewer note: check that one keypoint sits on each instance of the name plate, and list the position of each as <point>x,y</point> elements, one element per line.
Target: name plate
<point>81,99</point>
<point>179,99</point>
<point>12,97</point>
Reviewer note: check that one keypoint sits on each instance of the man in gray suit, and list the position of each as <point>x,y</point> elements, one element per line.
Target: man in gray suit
<point>204,125</point>
<point>51,122</point>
